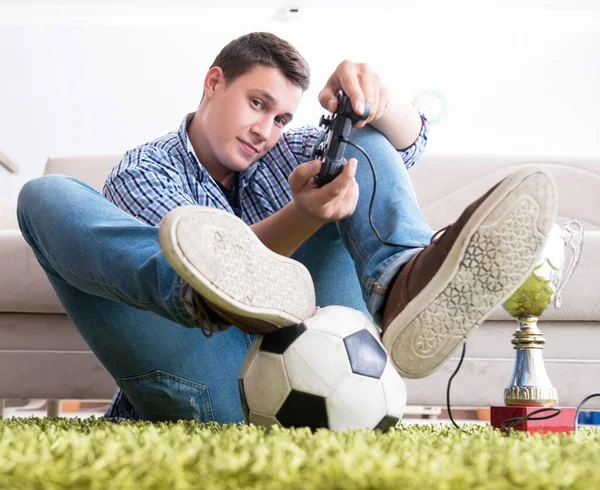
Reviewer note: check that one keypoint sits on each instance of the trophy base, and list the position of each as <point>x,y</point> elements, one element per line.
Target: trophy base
<point>563,422</point>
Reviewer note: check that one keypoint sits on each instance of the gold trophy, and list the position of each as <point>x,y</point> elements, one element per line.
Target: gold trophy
<point>530,387</point>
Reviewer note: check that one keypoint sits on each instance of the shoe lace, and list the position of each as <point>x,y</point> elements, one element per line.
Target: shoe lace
<point>200,309</point>
<point>438,233</point>
<point>408,267</point>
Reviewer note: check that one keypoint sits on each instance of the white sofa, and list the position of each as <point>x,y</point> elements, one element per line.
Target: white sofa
<point>42,356</point>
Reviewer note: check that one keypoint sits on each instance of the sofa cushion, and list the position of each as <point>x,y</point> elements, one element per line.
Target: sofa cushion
<point>581,296</point>
<point>446,184</point>
<point>44,356</point>
<point>89,169</point>
<point>24,286</point>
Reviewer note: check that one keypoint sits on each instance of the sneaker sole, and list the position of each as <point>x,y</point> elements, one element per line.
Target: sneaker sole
<point>220,257</point>
<point>491,258</point>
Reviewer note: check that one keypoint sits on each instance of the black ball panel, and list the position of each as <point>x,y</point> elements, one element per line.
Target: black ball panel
<point>303,410</point>
<point>367,356</point>
<point>278,342</point>
<point>387,423</point>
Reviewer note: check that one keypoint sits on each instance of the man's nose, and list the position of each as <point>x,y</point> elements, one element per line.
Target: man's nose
<point>263,127</point>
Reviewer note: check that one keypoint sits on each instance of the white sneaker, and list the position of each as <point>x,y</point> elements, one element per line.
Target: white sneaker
<point>233,273</point>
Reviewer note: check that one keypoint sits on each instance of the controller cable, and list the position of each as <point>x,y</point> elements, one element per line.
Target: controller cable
<point>382,240</point>
<point>507,424</point>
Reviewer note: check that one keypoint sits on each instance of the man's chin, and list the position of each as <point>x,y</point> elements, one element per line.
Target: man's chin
<point>238,162</point>
<point>239,165</point>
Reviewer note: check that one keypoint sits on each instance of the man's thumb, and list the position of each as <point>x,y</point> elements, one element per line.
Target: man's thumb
<point>315,166</point>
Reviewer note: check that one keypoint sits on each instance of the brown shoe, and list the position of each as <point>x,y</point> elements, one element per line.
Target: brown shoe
<point>446,291</point>
<point>235,277</point>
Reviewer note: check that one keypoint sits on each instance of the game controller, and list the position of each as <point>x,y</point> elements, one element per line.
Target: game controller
<point>331,146</point>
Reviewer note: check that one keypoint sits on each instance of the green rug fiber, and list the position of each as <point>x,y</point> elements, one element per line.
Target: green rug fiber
<point>95,453</point>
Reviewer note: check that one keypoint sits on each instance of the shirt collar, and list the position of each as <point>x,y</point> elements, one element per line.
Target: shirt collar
<point>185,137</point>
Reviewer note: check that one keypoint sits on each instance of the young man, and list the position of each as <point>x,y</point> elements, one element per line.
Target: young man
<point>176,253</point>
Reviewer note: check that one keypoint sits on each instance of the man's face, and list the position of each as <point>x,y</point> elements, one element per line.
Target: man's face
<point>247,116</point>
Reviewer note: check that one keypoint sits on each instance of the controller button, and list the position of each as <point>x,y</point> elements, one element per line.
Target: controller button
<point>325,121</point>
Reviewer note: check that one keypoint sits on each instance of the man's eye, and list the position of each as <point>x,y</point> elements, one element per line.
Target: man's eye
<point>280,120</point>
<point>256,103</point>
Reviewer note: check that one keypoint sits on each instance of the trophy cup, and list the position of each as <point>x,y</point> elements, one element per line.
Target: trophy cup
<point>529,387</point>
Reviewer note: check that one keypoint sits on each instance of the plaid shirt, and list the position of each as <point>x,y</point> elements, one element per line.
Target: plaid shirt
<point>165,173</point>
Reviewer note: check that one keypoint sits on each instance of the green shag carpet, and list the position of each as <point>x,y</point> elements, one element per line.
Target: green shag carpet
<point>96,453</point>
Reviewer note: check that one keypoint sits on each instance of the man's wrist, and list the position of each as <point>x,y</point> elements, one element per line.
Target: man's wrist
<point>401,124</point>
<point>284,231</point>
<point>303,219</point>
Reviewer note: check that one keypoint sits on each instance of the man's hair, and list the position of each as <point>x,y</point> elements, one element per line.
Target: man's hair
<point>263,48</point>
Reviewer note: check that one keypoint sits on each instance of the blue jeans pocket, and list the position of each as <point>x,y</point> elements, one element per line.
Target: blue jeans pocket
<point>159,395</point>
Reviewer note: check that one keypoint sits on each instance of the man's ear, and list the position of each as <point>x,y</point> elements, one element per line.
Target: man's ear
<point>213,81</point>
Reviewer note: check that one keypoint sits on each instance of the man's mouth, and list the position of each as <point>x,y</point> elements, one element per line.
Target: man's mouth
<point>248,147</point>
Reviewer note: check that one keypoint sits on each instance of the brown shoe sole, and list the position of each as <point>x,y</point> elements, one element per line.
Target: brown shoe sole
<point>490,259</point>
<point>220,257</point>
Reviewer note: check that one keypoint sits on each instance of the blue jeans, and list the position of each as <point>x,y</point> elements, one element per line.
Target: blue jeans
<point>117,288</point>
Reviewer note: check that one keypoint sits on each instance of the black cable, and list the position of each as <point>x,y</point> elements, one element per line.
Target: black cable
<point>382,240</point>
<point>507,424</point>
<point>462,356</point>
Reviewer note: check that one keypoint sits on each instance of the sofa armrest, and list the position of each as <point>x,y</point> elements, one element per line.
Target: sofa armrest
<point>24,286</point>
<point>8,164</point>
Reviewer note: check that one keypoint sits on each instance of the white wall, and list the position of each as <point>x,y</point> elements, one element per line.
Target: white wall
<point>84,80</point>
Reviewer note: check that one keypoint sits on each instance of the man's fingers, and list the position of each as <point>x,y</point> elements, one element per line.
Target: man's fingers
<point>305,173</point>
<point>339,185</point>
<point>351,196</point>
<point>366,81</point>
<point>352,88</point>
<point>328,98</point>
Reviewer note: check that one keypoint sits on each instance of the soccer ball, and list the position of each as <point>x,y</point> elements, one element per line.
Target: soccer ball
<point>330,371</point>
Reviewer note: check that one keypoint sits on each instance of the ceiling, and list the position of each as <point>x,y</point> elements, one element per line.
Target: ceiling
<point>421,5</point>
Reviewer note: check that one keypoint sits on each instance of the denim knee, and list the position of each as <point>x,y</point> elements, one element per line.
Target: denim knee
<point>34,193</point>
<point>367,134</point>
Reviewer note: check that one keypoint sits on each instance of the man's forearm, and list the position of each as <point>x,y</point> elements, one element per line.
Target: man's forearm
<point>400,124</point>
<point>284,231</point>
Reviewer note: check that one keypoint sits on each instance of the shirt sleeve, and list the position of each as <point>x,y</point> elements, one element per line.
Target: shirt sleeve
<point>411,155</point>
<point>302,140</point>
<point>144,188</point>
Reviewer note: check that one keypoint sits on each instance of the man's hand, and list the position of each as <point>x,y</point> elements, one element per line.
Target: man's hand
<point>361,84</point>
<point>332,202</point>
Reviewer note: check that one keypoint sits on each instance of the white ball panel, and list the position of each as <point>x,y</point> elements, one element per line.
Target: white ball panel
<point>265,384</point>
<point>316,362</point>
<point>262,419</point>
<point>250,356</point>
<point>357,402</point>
<point>394,389</point>
<point>340,321</point>
<point>373,328</point>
